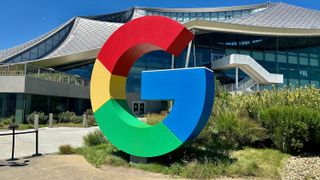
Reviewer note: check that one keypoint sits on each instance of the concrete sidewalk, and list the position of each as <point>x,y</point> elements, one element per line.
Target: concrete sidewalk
<point>49,141</point>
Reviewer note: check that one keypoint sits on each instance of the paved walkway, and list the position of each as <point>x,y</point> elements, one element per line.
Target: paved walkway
<point>49,141</point>
<point>70,167</point>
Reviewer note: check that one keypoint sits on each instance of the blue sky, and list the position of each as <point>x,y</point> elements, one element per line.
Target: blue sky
<point>23,20</point>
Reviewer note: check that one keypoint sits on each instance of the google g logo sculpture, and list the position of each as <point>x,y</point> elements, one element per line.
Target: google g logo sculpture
<point>192,89</point>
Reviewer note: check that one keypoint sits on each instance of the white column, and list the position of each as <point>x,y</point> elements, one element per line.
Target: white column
<point>188,54</point>
<point>194,54</point>
<point>172,61</point>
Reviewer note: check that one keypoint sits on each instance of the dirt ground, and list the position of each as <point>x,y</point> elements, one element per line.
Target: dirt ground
<point>68,167</point>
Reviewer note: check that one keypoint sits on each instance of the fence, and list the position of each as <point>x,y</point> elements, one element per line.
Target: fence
<point>33,71</point>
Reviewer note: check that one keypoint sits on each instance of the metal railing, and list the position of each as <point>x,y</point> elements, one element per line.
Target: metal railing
<point>50,74</point>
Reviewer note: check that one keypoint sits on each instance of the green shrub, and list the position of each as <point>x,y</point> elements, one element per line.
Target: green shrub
<point>66,149</point>
<point>228,131</point>
<point>94,138</point>
<point>293,128</point>
<point>43,119</point>
<point>68,116</point>
<point>153,119</point>
<point>90,118</point>
<point>7,121</point>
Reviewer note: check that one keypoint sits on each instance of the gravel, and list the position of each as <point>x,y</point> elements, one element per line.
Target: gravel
<point>302,168</point>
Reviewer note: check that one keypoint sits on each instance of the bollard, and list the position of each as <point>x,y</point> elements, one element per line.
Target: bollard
<point>36,128</point>
<point>50,120</point>
<point>84,120</point>
<point>36,122</point>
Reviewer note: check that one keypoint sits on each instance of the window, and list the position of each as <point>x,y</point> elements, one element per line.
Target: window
<point>245,52</point>
<point>257,55</point>
<point>237,14</point>
<point>192,16</point>
<point>207,16</point>
<point>270,56</point>
<point>231,51</point>
<point>214,16</point>
<point>199,15</point>
<point>282,57</point>
<point>222,15</point>
<point>229,15</point>
<point>179,18</point>
<point>245,13</point>
<point>304,82</point>
<point>292,58</point>
<point>303,60</point>
<point>314,62</point>
<point>186,17</point>
<point>316,83</point>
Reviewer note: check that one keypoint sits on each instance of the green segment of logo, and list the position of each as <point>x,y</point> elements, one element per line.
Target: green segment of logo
<point>131,135</point>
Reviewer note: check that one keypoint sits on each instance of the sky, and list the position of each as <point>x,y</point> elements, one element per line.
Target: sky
<point>23,20</point>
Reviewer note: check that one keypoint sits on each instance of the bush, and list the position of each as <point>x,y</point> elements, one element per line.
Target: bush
<point>66,149</point>
<point>228,131</point>
<point>94,138</point>
<point>43,119</point>
<point>90,117</point>
<point>7,121</point>
<point>293,129</point>
<point>153,119</point>
<point>68,116</point>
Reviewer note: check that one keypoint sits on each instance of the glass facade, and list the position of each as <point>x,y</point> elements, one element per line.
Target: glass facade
<point>24,104</point>
<point>297,58</point>
<point>43,48</point>
<point>209,16</point>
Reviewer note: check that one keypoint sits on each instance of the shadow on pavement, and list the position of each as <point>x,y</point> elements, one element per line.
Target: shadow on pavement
<point>14,163</point>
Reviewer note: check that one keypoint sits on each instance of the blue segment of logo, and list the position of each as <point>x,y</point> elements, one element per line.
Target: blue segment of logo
<point>192,91</point>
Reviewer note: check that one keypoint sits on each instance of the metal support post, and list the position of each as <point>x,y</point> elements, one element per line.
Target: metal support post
<point>188,54</point>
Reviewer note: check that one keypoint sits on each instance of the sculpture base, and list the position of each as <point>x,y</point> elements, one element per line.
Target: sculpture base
<point>137,159</point>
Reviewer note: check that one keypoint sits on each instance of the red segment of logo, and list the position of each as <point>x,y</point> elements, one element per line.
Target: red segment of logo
<point>139,37</point>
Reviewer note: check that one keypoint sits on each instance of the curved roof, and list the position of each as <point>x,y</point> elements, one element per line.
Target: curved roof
<point>85,35</point>
<point>281,15</point>
<point>7,53</point>
<point>88,34</point>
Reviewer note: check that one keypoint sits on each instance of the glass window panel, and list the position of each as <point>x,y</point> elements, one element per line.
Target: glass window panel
<point>179,18</point>
<point>304,82</point>
<point>245,12</point>
<point>207,16</point>
<point>314,62</point>
<point>192,16</point>
<point>214,16</point>
<point>270,56</point>
<point>294,82</point>
<point>231,51</point>
<point>293,59</point>
<point>316,83</point>
<point>245,52</point>
<point>199,15</point>
<point>26,56</point>
<point>222,15</point>
<point>62,33</point>
<point>237,14</point>
<point>229,15</point>
<point>48,45</point>
<point>257,55</point>
<point>303,60</point>
<point>314,55</point>
<point>186,17</point>
<point>282,57</point>
<point>17,59</point>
